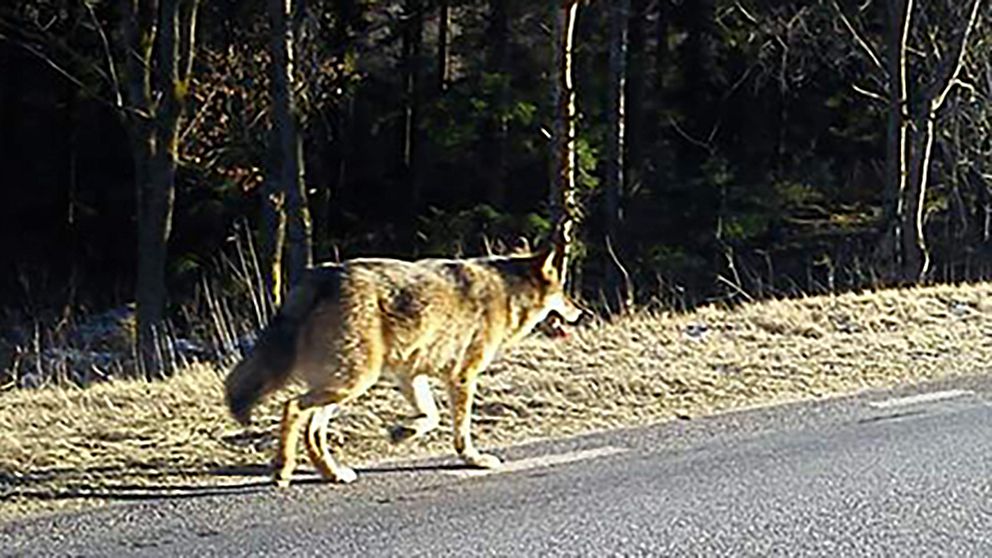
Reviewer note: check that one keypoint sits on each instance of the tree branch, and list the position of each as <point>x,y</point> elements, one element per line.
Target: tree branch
<point>112,71</point>
<point>87,90</point>
<point>188,39</point>
<point>951,68</point>
<point>870,94</point>
<point>859,39</point>
<point>139,36</point>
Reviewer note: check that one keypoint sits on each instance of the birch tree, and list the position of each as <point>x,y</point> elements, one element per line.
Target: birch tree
<point>931,95</point>
<point>564,202</point>
<point>914,103</point>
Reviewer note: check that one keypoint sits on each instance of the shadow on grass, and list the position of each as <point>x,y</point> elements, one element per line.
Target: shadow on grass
<point>91,483</point>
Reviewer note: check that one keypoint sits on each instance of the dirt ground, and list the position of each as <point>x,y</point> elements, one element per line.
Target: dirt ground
<point>66,447</point>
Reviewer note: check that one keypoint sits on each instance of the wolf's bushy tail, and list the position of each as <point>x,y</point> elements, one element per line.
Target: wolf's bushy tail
<point>265,370</point>
<point>270,364</point>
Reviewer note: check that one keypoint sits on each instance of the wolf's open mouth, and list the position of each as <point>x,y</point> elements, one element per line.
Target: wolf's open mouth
<point>554,327</point>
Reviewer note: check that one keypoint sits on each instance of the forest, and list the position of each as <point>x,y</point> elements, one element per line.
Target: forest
<point>175,164</point>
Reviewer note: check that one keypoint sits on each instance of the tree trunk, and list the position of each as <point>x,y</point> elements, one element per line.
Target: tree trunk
<point>655,137</point>
<point>413,25</point>
<point>494,141</point>
<point>661,51</point>
<point>154,128</point>
<point>563,202</point>
<point>285,126</point>
<point>443,22</point>
<point>273,223</point>
<point>896,170</point>
<point>139,33</point>
<point>698,68</point>
<point>699,17</point>
<point>634,84</point>
<point>619,14</point>
<point>915,258</point>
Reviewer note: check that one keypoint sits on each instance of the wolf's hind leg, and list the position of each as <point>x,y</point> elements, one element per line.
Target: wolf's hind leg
<point>326,401</point>
<point>461,389</point>
<point>289,435</point>
<point>417,391</point>
<point>317,431</point>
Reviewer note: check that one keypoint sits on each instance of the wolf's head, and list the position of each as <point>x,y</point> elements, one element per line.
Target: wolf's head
<point>548,271</point>
<point>537,289</point>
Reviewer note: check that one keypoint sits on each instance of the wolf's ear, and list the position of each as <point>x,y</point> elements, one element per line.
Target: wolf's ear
<point>551,260</point>
<point>547,264</point>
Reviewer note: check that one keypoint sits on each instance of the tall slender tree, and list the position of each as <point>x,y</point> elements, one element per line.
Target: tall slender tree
<point>411,69</point>
<point>932,96</point>
<point>159,46</point>
<point>289,190</point>
<point>443,26</point>
<point>635,80</point>
<point>913,107</point>
<point>698,68</point>
<point>655,134</point>
<point>497,66</point>
<point>563,200</point>
<point>897,36</point>
<point>619,17</point>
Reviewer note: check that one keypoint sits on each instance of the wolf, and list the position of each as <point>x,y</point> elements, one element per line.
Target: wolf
<point>345,325</point>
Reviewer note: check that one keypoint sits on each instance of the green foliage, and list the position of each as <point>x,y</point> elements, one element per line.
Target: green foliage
<point>745,226</point>
<point>472,231</point>
<point>796,194</point>
<point>586,159</point>
<point>673,261</point>
<point>745,132</point>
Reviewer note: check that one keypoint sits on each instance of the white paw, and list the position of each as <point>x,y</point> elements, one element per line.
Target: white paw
<point>482,460</point>
<point>345,475</point>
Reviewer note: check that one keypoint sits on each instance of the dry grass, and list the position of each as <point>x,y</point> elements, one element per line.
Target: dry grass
<point>68,446</point>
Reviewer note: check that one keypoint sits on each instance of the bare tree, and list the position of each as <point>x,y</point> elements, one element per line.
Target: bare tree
<point>931,96</point>
<point>497,64</point>
<point>913,104</point>
<point>443,24</point>
<point>413,35</point>
<point>897,37</point>
<point>564,202</point>
<point>289,190</point>
<point>635,79</point>
<point>619,16</point>
<point>159,39</point>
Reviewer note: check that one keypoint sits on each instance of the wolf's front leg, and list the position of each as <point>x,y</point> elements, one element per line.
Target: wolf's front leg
<point>462,391</point>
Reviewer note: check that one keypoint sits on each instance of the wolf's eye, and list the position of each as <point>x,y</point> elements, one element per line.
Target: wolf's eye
<point>544,281</point>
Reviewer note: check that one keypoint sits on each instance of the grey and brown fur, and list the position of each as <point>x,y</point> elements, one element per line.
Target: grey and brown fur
<point>344,325</point>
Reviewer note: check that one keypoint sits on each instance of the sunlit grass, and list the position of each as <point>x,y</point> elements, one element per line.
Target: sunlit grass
<point>61,443</point>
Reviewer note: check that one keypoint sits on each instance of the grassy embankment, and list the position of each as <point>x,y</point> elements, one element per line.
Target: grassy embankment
<point>67,447</point>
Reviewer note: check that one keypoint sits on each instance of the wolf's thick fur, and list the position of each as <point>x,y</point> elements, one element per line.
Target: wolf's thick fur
<point>343,325</point>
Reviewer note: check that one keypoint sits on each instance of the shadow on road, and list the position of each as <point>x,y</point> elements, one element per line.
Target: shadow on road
<point>99,482</point>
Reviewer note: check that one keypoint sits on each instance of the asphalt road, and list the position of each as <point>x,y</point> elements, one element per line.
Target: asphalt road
<point>863,476</point>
